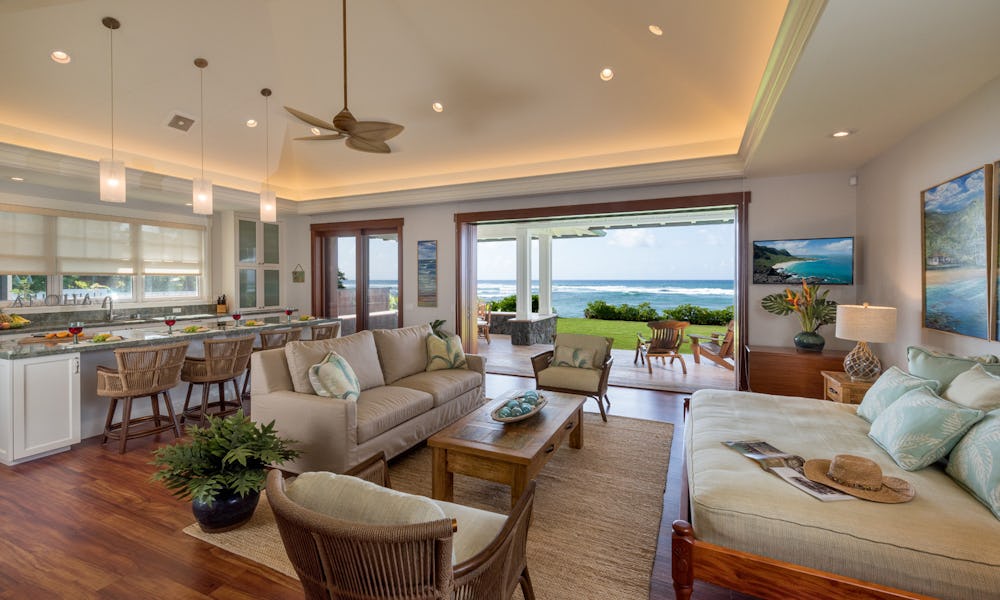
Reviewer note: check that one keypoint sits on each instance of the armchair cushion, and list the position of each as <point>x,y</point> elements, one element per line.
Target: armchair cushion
<point>476,529</point>
<point>580,358</point>
<point>334,378</point>
<point>571,378</point>
<point>351,499</point>
<point>445,353</point>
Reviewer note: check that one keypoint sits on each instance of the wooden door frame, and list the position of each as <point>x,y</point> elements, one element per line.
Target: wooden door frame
<point>740,202</point>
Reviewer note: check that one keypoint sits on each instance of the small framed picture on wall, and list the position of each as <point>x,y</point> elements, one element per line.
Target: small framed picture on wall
<point>427,273</point>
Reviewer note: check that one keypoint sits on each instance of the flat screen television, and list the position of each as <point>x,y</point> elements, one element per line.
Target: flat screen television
<point>824,261</point>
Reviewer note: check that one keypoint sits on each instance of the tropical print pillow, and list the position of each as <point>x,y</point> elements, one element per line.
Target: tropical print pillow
<point>334,378</point>
<point>445,353</point>
<point>890,387</point>
<point>921,427</point>
<point>975,462</point>
<point>565,356</point>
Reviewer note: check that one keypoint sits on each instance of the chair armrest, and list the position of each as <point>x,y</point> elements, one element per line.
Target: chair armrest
<point>498,566</point>
<point>325,429</point>
<point>109,382</point>
<point>541,360</point>
<point>375,469</point>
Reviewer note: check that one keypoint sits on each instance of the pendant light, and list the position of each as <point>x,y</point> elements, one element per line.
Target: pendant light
<point>201,188</point>
<point>268,204</point>
<point>112,172</point>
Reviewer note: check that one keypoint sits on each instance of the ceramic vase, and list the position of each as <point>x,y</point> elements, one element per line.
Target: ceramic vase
<point>809,341</point>
<point>228,511</point>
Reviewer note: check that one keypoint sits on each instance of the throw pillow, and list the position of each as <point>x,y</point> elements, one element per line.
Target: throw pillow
<point>975,388</point>
<point>975,462</point>
<point>565,356</point>
<point>334,378</point>
<point>445,353</point>
<point>942,367</point>
<point>892,384</point>
<point>921,427</point>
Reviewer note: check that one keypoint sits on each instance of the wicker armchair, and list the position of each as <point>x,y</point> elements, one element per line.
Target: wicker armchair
<point>664,343</point>
<point>583,369</point>
<point>340,559</point>
<point>141,372</point>
<point>325,332</point>
<point>224,361</point>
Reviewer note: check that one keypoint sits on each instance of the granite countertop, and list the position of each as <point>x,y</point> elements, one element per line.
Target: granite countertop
<point>11,349</point>
<point>121,322</point>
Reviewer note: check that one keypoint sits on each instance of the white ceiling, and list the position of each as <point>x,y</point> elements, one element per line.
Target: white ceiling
<point>519,81</point>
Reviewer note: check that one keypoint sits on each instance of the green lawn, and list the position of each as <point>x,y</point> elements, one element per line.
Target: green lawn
<point>624,331</point>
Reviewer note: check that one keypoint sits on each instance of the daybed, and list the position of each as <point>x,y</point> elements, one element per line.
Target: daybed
<point>400,402</point>
<point>748,530</point>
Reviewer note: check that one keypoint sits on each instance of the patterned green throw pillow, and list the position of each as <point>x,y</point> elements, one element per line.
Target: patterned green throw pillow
<point>975,461</point>
<point>921,427</point>
<point>890,387</point>
<point>334,378</point>
<point>445,353</point>
<point>565,356</point>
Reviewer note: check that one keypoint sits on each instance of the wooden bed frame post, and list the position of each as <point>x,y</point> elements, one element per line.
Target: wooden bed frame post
<point>682,566</point>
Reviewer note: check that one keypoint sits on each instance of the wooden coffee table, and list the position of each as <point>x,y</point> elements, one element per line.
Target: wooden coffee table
<point>509,453</point>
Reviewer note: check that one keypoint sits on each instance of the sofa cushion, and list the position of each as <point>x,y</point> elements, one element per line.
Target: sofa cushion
<point>334,378</point>
<point>921,427</point>
<point>358,349</point>
<point>445,353</point>
<point>975,388</point>
<point>975,461</point>
<point>402,351</point>
<point>945,367</point>
<point>570,378</point>
<point>889,387</point>
<point>356,500</point>
<point>444,385</point>
<point>476,529</point>
<point>382,408</point>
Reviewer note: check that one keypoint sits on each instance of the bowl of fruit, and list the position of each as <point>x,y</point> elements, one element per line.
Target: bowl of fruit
<point>520,406</point>
<point>12,321</point>
<point>306,317</point>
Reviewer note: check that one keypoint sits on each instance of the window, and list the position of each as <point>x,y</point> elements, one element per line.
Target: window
<point>29,288</point>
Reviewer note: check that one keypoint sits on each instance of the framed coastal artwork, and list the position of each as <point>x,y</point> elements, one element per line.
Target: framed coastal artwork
<point>427,294</point>
<point>824,261</point>
<point>956,237</point>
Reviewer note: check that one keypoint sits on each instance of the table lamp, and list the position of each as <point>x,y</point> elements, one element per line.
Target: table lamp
<point>864,324</point>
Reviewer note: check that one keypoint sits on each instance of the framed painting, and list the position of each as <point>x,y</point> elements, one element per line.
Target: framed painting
<point>957,264</point>
<point>427,273</point>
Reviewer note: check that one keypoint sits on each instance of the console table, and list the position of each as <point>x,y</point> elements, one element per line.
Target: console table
<point>788,372</point>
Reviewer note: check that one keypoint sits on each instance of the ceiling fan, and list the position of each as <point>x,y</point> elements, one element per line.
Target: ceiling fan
<point>366,136</point>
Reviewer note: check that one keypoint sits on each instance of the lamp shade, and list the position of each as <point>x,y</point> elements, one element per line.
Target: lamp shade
<point>268,207</point>
<point>863,323</point>
<point>201,197</point>
<point>112,174</point>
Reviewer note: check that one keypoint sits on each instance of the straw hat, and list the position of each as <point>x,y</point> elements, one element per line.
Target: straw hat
<point>858,476</point>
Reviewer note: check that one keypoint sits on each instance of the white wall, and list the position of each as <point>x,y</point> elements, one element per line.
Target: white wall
<point>889,208</point>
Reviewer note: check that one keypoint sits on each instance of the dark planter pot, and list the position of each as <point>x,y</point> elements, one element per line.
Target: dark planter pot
<point>227,512</point>
<point>810,341</point>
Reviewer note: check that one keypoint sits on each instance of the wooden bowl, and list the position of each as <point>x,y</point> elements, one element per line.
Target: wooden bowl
<point>538,408</point>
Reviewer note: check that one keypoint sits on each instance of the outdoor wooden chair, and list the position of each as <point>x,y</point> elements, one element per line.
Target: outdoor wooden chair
<point>483,315</point>
<point>337,558</point>
<point>664,342</point>
<point>716,347</point>
<point>578,364</point>
<point>141,372</point>
<point>224,361</point>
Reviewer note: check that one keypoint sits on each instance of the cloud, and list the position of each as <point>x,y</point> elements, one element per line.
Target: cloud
<point>838,247</point>
<point>631,238</point>
<point>956,194</point>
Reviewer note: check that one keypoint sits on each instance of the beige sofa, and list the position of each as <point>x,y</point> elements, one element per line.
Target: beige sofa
<point>400,404</point>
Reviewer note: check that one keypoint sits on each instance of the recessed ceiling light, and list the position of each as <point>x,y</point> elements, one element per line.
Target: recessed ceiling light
<point>17,178</point>
<point>607,74</point>
<point>251,122</point>
<point>437,106</point>
<point>315,130</point>
<point>60,57</point>
<point>655,30</point>
<point>842,133</point>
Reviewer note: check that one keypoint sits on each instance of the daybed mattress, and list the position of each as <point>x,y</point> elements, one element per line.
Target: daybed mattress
<point>942,543</point>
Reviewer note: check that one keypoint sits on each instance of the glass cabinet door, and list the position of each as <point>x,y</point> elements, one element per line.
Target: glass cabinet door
<point>258,268</point>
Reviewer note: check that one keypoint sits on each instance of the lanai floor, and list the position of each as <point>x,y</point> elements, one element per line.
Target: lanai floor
<point>506,359</point>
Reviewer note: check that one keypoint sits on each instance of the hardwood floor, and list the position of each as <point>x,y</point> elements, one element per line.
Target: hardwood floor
<point>89,524</point>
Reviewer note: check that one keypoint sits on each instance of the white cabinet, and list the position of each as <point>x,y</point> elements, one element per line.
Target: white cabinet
<point>39,406</point>
<point>258,264</point>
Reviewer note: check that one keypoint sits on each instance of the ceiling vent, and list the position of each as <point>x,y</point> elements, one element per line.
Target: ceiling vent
<point>180,122</point>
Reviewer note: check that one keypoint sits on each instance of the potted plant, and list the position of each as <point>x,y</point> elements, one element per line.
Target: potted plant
<point>222,468</point>
<point>812,308</point>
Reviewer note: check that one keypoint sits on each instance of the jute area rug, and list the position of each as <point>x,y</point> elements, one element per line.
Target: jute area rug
<point>595,522</point>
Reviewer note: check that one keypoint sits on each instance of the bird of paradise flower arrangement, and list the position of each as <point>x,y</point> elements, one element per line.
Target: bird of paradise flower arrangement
<point>812,308</point>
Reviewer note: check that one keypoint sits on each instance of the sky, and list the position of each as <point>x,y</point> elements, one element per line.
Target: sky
<point>692,252</point>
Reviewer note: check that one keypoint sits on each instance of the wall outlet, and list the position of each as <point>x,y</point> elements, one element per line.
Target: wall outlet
<point>177,310</point>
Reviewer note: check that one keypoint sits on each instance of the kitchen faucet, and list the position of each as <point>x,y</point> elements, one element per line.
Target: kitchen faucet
<point>111,307</point>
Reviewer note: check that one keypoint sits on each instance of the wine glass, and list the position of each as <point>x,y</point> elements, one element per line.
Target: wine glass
<point>236,317</point>
<point>76,328</point>
<point>288,314</point>
<point>170,324</point>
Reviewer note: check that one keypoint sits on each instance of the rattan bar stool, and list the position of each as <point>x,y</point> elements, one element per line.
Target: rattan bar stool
<point>141,372</point>
<point>269,340</point>
<point>325,332</point>
<point>225,359</point>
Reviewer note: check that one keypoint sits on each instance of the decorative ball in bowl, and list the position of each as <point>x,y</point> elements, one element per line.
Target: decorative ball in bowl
<point>519,407</point>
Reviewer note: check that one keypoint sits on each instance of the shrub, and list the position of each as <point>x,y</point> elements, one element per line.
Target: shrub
<point>697,315</point>
<point>599,309</point>
<point>509,304</point>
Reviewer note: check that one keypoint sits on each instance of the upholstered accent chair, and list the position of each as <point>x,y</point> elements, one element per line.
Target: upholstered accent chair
<point>352,537</point>
<point>577,364</point>
<point>663,343</point>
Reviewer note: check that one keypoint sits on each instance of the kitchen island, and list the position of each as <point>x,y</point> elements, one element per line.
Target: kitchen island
<point>48,398</point>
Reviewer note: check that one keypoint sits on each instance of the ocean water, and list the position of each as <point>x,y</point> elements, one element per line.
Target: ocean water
<point>959,306</point>
<point>835,269</point>
<point>570,297</point>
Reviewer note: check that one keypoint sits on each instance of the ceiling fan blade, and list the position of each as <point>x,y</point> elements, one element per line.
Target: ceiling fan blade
<point>345,121</point>
<point>366,145</point>
<point>329,136</point>
<point>314,121</point>
<point>377,130</point>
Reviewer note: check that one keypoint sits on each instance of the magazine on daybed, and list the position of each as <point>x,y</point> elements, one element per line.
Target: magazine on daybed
<point>787,466</point>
